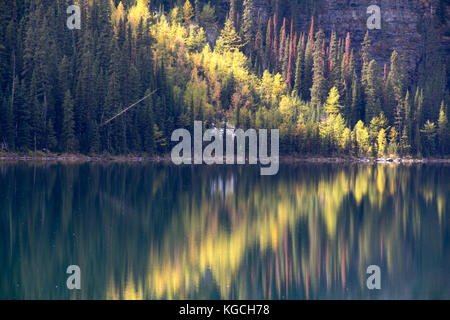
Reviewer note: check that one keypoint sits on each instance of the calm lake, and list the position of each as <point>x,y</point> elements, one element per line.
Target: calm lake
<point>156,231</point>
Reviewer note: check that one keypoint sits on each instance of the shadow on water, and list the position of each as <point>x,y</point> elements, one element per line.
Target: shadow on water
<point>154,231</point>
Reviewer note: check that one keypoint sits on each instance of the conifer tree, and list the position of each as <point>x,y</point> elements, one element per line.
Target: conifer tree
<point>188,12</point>
<point>373,107</point>
<point>333,61</point>
<point>318,90</point>
<point>283,36</point>
<point>366,54</point>
<point>356,100</point>
<point>229,39</point>
<point>275,43</point>
<point>23,117</point>
<point>285,60</point>
<point>418,103</point>
<point>68,141</point>
<point>248,29</point>
<point>308,71</point>
<point>269,39</point>
<point>232,13</point>
<point>394,90</point>
<point>197,11</point>
<point>299,69</point>
<point>443,131</point>
<point>332,106</point>
<point>429,133</point>
<point>405,140</point>
<point>291,59</point>
<point>381,142</point>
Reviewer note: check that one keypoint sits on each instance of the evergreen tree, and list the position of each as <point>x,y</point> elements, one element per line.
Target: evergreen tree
<point>356,101</point>
<point>269,39</point>
<point>299,70</point>
<point>443,131</point>
<point>21,108</point>
<point>291,59</point>
<point>405,142</point>
<point>366,54</point>
<point>197,11</point>
<point>418,103</point>
<point>7,142</point>
<point>373,107</point>
<point>281,56</point>
<point>285,60</point>
<point>308,71</point>
<point>394,90</point>
<point>318,90</point>
<point>429,133</point>
<point>248,29</point>
<point>333,61</point>
<point>68,141</point>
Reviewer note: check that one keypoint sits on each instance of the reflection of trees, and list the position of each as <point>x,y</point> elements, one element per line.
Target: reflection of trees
<point>163,232</point>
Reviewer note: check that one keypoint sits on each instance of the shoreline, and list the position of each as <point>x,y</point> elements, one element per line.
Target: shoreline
<point>166,159</point>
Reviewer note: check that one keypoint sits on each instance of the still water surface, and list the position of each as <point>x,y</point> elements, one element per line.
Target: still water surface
<point>155,231</point>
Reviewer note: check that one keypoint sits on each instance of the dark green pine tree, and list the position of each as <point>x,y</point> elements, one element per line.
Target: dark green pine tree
<point>144,57</point>
<point>347,94</point>
<point>269,39</point>
<point>64,76</point>
<point>114,133</point>
<point>37,112</point>
<point>394,91</point>
<point>7,124</point>
<point>319,87</point>
<point>334,62</point>
<point>432,74</point>
<point>308,71</point>
<point>418,105</point>
<point>147,126</point>
<point>299,69</point>
<point>443,131</point>
<point>68,141</point>
<point>373,83</point>
<point>4,68</point>
<point>366,57</point>
<point>405,140</point>
<point>197,10</point>
<point>85,92</point>
<point>248,29</point>
<point>356,112</point>
<point>24,141</point>
<point>51,142</point>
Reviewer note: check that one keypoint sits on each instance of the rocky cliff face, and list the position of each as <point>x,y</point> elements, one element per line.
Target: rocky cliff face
<point>401,22</point>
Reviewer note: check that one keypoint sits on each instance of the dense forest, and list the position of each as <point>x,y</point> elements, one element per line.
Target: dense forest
<point>60,87</point>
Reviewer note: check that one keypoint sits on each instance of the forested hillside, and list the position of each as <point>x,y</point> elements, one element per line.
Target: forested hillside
<point>232,64</point>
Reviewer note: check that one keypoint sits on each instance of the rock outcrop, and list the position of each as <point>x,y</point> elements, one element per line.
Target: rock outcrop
<point>401,23</point>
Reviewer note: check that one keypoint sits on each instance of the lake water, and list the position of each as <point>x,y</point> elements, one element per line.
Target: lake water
<point>155,231</point>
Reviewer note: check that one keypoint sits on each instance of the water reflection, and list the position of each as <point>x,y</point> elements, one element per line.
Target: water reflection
<point>146,231</point>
